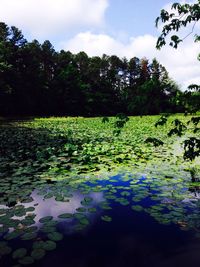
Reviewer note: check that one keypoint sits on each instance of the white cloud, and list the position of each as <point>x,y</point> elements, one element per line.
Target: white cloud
<point>46,18</point>
<point>181,63</point>
<point>93,44</point>
<point>55,19</point>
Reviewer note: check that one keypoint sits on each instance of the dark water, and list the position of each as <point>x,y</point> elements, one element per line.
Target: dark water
<point>161,230</point>
<point>131,239</point>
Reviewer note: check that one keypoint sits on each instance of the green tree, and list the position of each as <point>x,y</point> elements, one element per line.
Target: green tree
<point>11,45</point>
<point>37,80</point>
<point>182,16</point>
<point>30,94</point>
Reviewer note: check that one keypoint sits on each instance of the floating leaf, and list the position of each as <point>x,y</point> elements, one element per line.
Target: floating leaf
<point>49,245</point>
<point>55,236</point>
<point>65,216</point>
<point>125,193</point>
<point>26,260</point>
<point>30,209</point>
<point>106,218</point>
<point>4,248</point>
<point>38,244</point>
<point>137,208</point>
<point>12,235</point>
<point>45,219</point>
<point>81,209</point>
<point>92,210</point>
<point>84,221</point>
<point>19,253</point>
<point>29,236</point>
<point>38,254</point>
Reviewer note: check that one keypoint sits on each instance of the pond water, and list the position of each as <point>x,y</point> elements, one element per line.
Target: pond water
<point>116,221</point>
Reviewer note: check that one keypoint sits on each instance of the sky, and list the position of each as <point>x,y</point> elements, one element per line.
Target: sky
<point>125,28</point>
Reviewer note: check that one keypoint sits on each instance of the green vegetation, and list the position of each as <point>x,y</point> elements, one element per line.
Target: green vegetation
<point>35,80</point>
<point>42,150</point>
<point>78,164</point>
<point>182,16</point>
<point>81,169</point>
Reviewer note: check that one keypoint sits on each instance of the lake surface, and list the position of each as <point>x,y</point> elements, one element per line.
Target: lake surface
<point>117,221</point>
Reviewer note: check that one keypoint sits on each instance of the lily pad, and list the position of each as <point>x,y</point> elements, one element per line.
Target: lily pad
<point>12,235</point>
<point>38,254</point>
<point>5,250</point>
<point>49,245</point>
<point>38,245</point>
<point>65,216</point>
<point>19,253</point>
<point>28,221</point>
<point>86,201</point>
<point>79,216</point>
<point>28,200</point>
<point>60,198</point>
<point>84,221</point>
<point>125,193</point>
<point>26,260</point>
<point>81,209</point>
<point>92,210</point>
<point>31,229</point>
<point>30,209</point>
<point>48,229</point>
<point>106,218</point>
<point>29,236</point>
<point>55,236</point>
<point>137,208</point>
<point>45,219</point>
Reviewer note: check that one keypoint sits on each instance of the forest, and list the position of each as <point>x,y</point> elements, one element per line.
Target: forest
<point>99,155</point>
<point>37,80</point>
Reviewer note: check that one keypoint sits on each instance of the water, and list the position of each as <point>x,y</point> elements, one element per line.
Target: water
<point>118,221</point>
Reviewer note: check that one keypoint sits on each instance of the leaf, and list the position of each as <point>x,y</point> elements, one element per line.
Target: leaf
<point>45,219</point>
<point>65,216</point>
<point>105,119</point>
<point>49,245</point>
<point>38,254</point>
<point>106,218</point>
<point>19,253</point>
<point>26,260</point>
<point>55,236</point>
<point>156,142</point>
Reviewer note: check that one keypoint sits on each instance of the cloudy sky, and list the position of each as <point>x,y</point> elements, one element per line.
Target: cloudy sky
<point>120,27</point>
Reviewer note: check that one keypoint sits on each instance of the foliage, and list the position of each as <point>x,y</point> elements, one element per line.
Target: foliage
<point>70,166</point>
<point>161,121</point>
<point>154,141</point>
<point>59,147</point>
<point>192,148</point>
<point>183,16</point>
<point>180,17</point>
<point>37,80</point>
<point>178,129</point>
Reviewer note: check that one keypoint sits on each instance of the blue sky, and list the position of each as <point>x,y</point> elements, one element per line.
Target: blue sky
<point>121,27</point>
<point>135,17</point>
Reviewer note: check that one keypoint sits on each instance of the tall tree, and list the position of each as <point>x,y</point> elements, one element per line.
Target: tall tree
<point>37,80</point>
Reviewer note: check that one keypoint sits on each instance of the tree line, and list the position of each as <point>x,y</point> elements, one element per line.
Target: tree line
<point>37,80</point>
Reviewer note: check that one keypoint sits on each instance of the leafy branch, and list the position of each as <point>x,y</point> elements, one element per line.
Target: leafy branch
<point>121,120</point>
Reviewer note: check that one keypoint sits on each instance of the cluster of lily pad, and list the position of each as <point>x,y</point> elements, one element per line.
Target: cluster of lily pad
<point>169,201</point>
<point>56,148</point>
<point>60,156</point>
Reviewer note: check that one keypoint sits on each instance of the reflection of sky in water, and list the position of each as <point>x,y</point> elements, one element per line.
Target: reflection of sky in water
<point>149,193</point>
<point>51,207</point>
<point>131,237</point>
